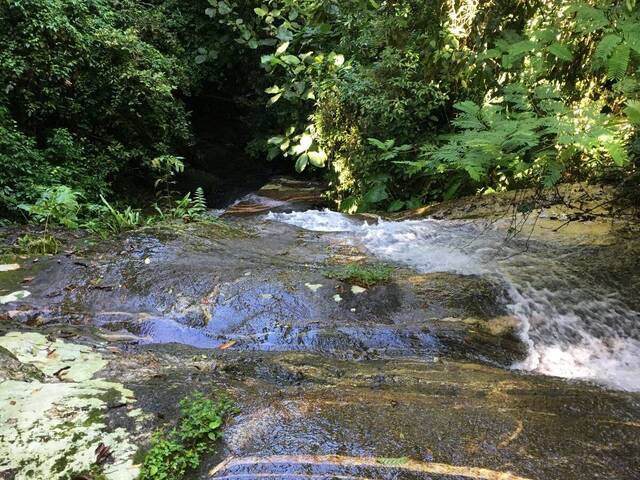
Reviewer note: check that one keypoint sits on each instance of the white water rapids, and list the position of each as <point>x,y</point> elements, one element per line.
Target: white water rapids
<point>574,318</point>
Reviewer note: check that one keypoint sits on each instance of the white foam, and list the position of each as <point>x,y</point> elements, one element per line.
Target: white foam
<point>574,328</point>
<point>316,220</point>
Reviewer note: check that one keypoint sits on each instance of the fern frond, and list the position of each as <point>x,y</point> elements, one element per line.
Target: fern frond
<point>517,51</point>
<point>469,118</point>
<point>517,95</point>
<point>552,172</point>
<point>560,51</point>
<point>520,48</point>
<point>475,164</point>
<point>618,62</point>
<point>632,111</point>
<point>617,151</point>
<point>606,46</point>
<point>199,203</point>
<point>631,33</point>
<point>468,107</point>
<point>633,40</point>
<point>589,19</point>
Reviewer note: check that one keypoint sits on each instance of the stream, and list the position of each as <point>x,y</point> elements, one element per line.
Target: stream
<point>481,356</point>
<point>574,307</point>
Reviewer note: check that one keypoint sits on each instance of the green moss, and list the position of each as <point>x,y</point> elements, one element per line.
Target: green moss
<point>94,417</point>
<point>361,274</point>
<point>94,473</point>
<point>175,452</point>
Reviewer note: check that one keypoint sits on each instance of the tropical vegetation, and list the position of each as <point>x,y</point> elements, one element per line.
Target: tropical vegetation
<point>395,103</point>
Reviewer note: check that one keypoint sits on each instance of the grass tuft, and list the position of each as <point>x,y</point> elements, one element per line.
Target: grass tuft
<point>364,275</point>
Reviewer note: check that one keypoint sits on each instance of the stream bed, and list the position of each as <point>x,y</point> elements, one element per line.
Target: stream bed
<point>481,357</point>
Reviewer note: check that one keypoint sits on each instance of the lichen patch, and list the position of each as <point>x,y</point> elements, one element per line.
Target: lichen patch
<point>52,428</point>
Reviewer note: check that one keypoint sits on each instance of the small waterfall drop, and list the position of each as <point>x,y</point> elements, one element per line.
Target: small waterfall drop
<point>573,306</point>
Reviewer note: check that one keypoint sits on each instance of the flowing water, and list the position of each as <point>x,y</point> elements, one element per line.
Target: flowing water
<point>577,304</point>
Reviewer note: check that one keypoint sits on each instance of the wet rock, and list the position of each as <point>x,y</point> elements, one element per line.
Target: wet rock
<point>305,413</point>
<point>397,380</point>
<point>13,369</point>
<point>196,286</point>
<point>280,195</point>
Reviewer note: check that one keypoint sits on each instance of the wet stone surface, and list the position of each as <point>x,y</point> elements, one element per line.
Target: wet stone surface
<point>401,380</point>
<point>264,287</point>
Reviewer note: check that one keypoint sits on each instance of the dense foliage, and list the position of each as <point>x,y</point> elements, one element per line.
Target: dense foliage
<point>91,92</point>
<point>398,102</point>
<point>411,101</point>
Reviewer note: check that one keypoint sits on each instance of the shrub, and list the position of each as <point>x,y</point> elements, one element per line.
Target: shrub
<point>89,93</point>
<point>44,244</point>
<point>175,452</point>
<point>57,204</point>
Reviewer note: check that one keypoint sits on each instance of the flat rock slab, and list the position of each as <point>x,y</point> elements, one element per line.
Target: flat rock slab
<point>304,415</point>
<point>263,286</point>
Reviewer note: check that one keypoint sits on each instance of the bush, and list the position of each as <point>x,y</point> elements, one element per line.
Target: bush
<point>57,205</point>
<point>408,73</point>
<point>200,424</point>
<point>44,244</point>
<point>88,94</point>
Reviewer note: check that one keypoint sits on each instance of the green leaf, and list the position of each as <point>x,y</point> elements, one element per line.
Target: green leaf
<point>305,142</point>
<point>317,159</point>
<point>282,48</point>
<point>261,12</point>
<point>467,107</point>
<point>618,153</point>
<point>274,99</point>
<point>560,51</point>
<point>277,140</point>
<point>376,194</point>
<point>302,162</point>
<point>552,173</point>
<point>223,8</point>
<point>606,46</point>
<point>291,59</point>
<point>396,206</point>
<point>619,62</point>
<point>338,60</point>
<point>273,153</point>
<point>284,34</point>
<point>378,144</point>
<point>589,19</point>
